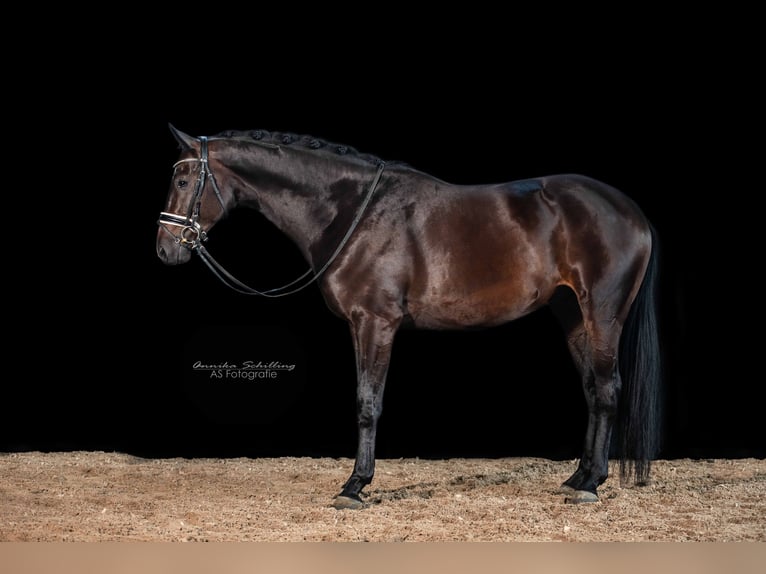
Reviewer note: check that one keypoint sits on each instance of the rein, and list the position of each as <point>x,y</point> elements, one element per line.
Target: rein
<point>192,235</point>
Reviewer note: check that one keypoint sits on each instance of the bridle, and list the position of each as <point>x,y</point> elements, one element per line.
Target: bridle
<point>191,235</point>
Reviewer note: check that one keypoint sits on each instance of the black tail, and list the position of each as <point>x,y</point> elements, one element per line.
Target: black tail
<point>640,370</point>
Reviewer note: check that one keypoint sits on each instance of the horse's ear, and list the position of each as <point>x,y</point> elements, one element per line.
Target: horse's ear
<point>183,139</point>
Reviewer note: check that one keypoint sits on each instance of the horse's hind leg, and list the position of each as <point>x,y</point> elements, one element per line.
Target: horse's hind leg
<point>593,346</point>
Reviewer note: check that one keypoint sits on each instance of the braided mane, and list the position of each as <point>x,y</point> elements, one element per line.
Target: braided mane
<point>296,140</point>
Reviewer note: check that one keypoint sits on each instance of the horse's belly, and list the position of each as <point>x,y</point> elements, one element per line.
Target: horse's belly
<point>485,308</point>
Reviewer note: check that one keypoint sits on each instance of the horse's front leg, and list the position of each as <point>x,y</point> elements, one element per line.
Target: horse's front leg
<point>373,338</point>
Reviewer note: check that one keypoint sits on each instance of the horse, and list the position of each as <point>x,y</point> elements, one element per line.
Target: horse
<point>392,247</point>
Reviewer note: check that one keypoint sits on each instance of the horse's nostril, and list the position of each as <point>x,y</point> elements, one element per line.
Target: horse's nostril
<point>162,254</point>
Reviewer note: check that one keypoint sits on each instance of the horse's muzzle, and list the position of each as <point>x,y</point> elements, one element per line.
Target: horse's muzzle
<point>170,250</point>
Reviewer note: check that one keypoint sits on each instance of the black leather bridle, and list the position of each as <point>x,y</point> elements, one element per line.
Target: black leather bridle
<point>192,235</point>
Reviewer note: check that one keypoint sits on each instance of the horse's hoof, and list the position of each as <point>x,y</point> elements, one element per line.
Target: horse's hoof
<point>580,497</point>
<point>347,503</point>
<point>566,489</point>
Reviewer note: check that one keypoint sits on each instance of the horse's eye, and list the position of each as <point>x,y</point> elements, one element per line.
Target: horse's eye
<point>181,183</point>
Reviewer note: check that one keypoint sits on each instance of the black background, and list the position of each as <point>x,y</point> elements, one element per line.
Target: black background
<point>96,359</point>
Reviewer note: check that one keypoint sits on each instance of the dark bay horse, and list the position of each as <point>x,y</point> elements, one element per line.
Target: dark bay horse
<point>392,247</point>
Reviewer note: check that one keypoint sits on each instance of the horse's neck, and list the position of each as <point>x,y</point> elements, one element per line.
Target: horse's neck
<point>309,203</point>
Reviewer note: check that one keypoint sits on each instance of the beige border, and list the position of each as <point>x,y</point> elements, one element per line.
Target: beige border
<point>381,558</point>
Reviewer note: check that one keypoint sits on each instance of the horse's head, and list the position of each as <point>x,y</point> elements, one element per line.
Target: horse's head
<point>195,202</point>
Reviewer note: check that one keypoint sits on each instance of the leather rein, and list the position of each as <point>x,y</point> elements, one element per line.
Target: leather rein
<point>192,236</point>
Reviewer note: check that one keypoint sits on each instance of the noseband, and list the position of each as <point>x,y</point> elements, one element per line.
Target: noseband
<point>192,235</point>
